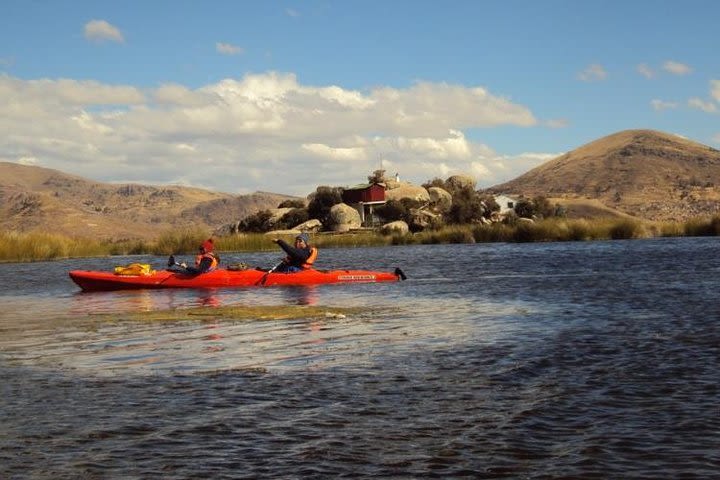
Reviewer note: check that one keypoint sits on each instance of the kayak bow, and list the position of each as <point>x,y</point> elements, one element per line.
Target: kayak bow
<point>103,281</point>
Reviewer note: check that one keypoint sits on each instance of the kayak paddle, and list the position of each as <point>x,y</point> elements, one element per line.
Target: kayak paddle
<point>264,277</point>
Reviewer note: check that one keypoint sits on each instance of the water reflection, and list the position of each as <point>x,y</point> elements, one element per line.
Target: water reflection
<point>83,303</point>
<point>214,337</point>
<point>301,295</point>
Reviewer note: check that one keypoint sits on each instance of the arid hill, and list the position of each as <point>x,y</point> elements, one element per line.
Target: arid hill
<point>644,173</point>
<point>41,199</point>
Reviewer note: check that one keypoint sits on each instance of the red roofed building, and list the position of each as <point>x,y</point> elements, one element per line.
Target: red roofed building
<point>363,198</point>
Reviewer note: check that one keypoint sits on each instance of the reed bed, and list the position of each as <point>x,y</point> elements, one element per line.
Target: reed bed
<point>178,241</point>
<point>550,230</point>
<point>703,227</point>
<point>257,242</point>
<point>27,247</point>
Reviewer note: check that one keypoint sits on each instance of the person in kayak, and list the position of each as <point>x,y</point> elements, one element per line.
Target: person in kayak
<point>300,257</point>
<point>205,261</point>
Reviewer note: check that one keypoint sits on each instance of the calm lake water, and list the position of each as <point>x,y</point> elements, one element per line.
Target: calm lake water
<point>561,360</point>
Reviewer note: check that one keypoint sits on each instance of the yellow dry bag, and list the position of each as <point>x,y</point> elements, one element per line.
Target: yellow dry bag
<point>134,269</point>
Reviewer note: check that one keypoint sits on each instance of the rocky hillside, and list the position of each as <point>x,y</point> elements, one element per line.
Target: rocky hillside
<point>645,173</point>
<point>41,199</point>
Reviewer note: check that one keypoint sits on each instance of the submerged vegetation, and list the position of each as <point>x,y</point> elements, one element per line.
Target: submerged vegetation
<point>239,312</point>
<point>26,247</point>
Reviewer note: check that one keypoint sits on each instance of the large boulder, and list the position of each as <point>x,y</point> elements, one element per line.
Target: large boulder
<point>407,190</point>
<point>440,198</point>
<point>393,184</point>
<point>278,233</point>
<point>422,219</point>
<point>313,225</point>
<point>343,217</point>
<point>397,226</point>
<point>277,214</point>
<point>461,181</point>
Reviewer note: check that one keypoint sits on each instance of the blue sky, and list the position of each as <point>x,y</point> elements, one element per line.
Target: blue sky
<point>281,96</point>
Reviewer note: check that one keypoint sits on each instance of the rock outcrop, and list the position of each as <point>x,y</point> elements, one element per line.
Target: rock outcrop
<point>396,227</point>
<point>422,219</point>
<point>343,218</point>
<point>277,214</point>
<point>407,190</point>
<point>440,198</point>
<point>313,225</point>
<point>461,181</point>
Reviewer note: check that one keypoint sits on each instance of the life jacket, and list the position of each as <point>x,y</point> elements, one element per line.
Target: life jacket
<point>212,258</point>
<point>311,259</point>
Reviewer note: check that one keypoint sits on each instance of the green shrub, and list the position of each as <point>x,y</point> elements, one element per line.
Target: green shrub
<point>294,217</point>
<point>258,222</point>
<point>401,209</point>
<point>322,201</point>
<point>292,203</point>
<point>467,207</point>
<point>524,208</point>
<point>435,182</point>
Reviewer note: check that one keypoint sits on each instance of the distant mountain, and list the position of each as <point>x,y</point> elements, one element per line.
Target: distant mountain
<point>42,199</point>
<point>644,173</point>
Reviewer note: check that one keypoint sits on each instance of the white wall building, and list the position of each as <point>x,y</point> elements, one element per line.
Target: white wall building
<point>506,202</point>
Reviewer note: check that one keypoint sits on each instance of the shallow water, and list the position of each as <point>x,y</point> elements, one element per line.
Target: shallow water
<point>562,360</point>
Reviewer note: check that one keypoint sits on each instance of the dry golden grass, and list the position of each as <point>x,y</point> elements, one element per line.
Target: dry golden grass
<point>27,247</point>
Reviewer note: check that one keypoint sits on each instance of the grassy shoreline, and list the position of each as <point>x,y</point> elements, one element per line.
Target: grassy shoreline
<point>30,247</point>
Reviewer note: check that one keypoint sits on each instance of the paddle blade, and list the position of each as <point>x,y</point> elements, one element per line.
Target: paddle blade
<point>171,261</point>
<point>400,274</point>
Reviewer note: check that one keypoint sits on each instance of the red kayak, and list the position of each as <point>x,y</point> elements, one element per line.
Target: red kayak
<point>103,281</point>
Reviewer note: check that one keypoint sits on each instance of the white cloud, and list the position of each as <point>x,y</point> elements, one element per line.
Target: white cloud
<point>716,138</point>
<point>715,89</point>
<point>644,70</point>
<point>453,146</point>
<point>261,132</point>
<point>557,123</point>
<point>594,72</point>
<point>699,104</point>
<point>676,68</point>
<point>480,170</point>
<point>101,31</point>
<point>30,161</point>
<point>228,49</point>
<point>179,95</point>
<point>659,105</point>
<point>335,153</point>
<point>292,13</point>
<point>503,168</point>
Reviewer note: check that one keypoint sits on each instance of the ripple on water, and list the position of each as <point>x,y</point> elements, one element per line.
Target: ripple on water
<point>558,361</point>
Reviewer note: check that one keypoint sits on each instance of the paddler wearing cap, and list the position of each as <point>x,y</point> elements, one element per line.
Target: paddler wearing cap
<point>205,261</point>
<point>301,256</point>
